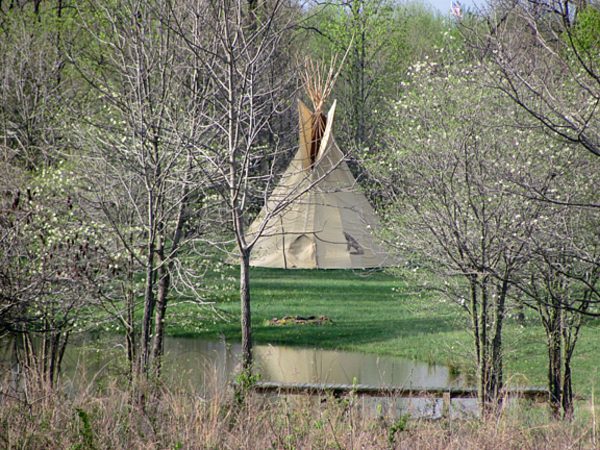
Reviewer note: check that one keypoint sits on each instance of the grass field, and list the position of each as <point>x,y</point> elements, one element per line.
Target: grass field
<point>376,312</point>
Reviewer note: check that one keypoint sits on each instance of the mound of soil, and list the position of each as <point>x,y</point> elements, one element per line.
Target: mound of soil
<point>300,320</point>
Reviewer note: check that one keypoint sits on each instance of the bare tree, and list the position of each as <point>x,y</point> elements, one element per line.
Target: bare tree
<point>448,207</point>
<point>243,46</point>
<point>546,56</point>
<point>138,145</point>
<point>243,42</point>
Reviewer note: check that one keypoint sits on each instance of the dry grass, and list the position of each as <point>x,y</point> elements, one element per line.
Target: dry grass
<point>107,419</point>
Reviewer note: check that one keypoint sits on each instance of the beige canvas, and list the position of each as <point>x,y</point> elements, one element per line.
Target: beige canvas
<point>328,223</point>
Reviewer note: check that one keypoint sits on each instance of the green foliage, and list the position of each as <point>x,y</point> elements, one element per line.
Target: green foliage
<point>244,382</point>
<point>397,427</point>
<point>586,32</point>
<point>85,431</point>
<point>381,39</point>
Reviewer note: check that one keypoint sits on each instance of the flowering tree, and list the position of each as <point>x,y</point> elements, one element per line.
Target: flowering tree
<point>449,204</point>
<point>545,58</point>
<point>547,55</point>
<point>560,280</point>
<point>466,174</point>
<point>52,260</point>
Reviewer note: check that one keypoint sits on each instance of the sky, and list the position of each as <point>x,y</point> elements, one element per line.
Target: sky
<point>443,6</point>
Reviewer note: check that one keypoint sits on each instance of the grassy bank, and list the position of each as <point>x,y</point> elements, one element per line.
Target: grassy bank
<point>378,313</point>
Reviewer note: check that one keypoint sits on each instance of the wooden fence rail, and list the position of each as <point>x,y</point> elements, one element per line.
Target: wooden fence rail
<point>339,390</point>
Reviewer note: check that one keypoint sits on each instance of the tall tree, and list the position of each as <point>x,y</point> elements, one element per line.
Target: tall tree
<point>381,39</point>
<point>237,53</point>
<point>137,143</point>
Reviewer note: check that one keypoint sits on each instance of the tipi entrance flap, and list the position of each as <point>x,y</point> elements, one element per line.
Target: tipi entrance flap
<point>302,249</point>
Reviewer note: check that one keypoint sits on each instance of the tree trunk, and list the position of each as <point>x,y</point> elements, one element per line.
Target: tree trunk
<point>62,349</point>
<point>484,362</point>
<point>358,74</point>
<point>166,266</point>
<point>164,281</point>
<point>53,357</point>
<point>497,374</point>
<point>149,302</point>
<point>130,331</point>
<point>554,338</point>
<point>567,384</point>
<point>129,320</point>
<point>245,305</point>
<point>567,391</point>
<point>475,315</point>
<point>43,359</point>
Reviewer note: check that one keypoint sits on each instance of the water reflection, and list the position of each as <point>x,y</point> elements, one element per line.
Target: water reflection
<point>198,363</point>
<point>289,364</point>
<point>205,367</point>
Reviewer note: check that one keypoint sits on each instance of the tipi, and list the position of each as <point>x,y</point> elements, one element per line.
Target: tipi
<point>328,222</point>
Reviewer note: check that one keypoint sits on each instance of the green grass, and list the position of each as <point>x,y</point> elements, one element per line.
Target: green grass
<point>379,313</point>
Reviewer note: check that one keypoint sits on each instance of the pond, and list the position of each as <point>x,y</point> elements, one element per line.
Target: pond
<point>200,363</point>
<point>206,366</point>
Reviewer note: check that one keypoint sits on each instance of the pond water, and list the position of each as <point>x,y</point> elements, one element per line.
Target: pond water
<point>205,366</point>
<point>195,363</point>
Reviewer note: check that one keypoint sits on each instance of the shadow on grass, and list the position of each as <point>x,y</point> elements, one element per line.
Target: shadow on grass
<point>342,334</point>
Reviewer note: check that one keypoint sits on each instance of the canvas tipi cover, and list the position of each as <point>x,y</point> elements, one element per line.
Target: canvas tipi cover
<point>328,222</point>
